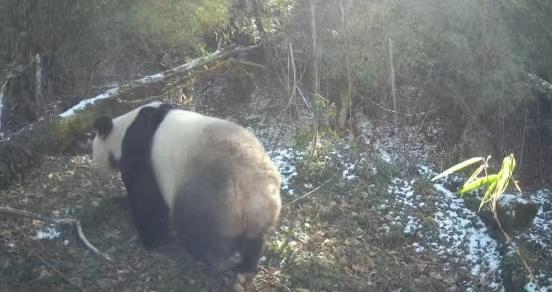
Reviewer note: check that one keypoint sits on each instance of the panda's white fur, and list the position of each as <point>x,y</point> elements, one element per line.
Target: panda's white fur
<point>215,164</point>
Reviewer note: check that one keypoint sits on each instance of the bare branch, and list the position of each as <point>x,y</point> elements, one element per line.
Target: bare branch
<point>309,193</point>
<point>63,221</point>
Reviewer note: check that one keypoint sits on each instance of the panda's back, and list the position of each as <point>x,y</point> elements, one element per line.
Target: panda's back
<point>188,145</point>
<point>185,139</point>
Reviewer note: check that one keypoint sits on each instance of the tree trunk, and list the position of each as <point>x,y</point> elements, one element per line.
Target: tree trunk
<point>259,23</point>
<point>346,95</point>
<point>315,78</point>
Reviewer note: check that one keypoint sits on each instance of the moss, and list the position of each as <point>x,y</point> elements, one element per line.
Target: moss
<point>71,129</point>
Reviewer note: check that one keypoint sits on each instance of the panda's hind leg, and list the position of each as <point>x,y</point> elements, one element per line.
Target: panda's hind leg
<point>251,250</point>
<point>198,221</point>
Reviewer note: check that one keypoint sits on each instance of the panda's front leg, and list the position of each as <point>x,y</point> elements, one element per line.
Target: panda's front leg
<point>148,210</point>
<point>152,232</point>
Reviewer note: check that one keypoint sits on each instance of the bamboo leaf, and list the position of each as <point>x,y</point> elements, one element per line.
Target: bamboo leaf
<point>483,181</point>
<point>475,174</point>
<point>505,175</point>
<point>488,195</point>
<point>458,167</point>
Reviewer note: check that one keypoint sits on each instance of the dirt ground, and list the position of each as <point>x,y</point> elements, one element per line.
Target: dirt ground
<point>329,243</point>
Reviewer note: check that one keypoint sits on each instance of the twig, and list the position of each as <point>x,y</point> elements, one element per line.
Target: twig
<point>62,275</point>
<point>307,194</point>
<point>63,221</point>
<point>302,96</point>
<point>390,110</point>
<point>280,128</point>
<point>385,276</point>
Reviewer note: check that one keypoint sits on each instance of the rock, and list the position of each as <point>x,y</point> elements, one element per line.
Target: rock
<point>515,213</point>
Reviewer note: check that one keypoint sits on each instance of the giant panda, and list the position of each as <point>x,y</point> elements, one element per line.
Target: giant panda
<point>208,179</point>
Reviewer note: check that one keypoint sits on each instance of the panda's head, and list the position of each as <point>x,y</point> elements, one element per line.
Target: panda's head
<point>107,144</point>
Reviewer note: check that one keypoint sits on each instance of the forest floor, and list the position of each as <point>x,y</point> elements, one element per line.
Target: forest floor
<point>358,215</point>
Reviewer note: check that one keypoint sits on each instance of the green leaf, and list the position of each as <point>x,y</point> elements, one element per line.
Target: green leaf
<point>488,195</point>
<point>475,173</point>
<point>458,167</point>
<point>483,181</point>
<point>505,174</point>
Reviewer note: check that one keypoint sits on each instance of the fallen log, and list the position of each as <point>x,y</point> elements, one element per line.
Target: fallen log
<point>27,148</point>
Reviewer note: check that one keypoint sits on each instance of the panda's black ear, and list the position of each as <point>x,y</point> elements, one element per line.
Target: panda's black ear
<point>103,126</point>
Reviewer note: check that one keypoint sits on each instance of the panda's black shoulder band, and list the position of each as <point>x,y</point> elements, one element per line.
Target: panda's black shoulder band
<point>103,126</point>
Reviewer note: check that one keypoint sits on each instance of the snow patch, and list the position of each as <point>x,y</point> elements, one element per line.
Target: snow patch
<point>403,192</point>
<point>48,232</point>
<point>348,173</point>
<point>418,247</point>
<point>540,231</point>
<point>385,156</point>
<point>540,234</point>
<point>458,236</point>
<point>532,287</point>
<point>81,105</point>
<point>545,84</point>
<point>425,171</point>
<point>412,225</point>
<point>152,78</point>
<point>459,225</point>
<point>196,61</point>
<point>285,160</point>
